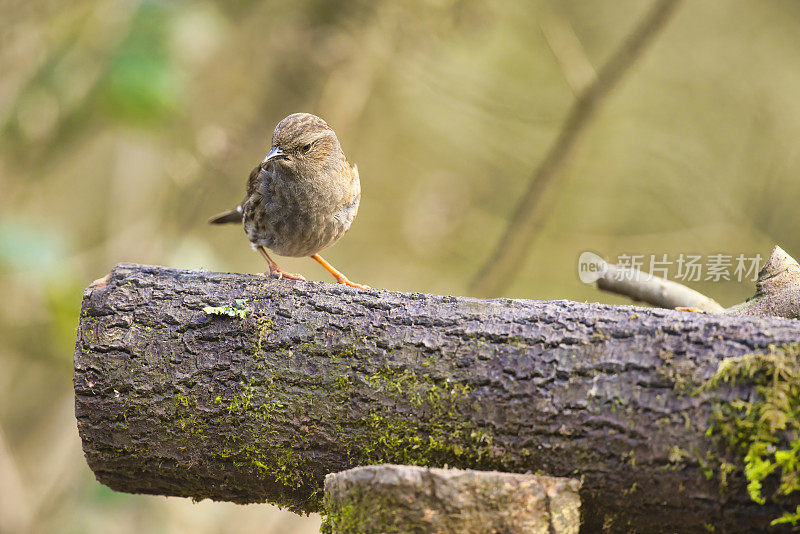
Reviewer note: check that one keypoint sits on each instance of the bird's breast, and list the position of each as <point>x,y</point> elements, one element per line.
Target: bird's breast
<point>298,218</point>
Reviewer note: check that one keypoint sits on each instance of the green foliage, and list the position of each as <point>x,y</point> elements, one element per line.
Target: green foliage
<point>143,82</point>
<point>26,248</point>
<point>237,310</point>
<point>765,430</point>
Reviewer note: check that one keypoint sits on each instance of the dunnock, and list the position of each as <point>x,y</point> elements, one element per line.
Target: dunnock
<point>302,198</point>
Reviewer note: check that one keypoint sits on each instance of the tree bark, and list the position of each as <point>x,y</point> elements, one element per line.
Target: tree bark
<point>257,401</point>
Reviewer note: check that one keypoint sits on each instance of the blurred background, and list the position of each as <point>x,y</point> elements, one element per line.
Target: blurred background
<point>125,124</point>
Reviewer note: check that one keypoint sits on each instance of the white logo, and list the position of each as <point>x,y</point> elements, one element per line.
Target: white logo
<point>591,267</point>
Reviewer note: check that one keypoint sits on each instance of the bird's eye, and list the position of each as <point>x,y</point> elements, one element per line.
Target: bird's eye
<point>306,148</point>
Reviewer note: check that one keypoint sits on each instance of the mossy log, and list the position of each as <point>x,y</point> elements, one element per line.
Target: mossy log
<point>183,390</point>
<point>377,499</point>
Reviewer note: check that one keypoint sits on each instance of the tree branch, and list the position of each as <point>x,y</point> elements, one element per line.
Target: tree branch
<point>654,290</point>
<point>504,262</point>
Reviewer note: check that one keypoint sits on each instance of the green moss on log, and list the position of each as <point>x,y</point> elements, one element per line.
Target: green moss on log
<point>763,431</point>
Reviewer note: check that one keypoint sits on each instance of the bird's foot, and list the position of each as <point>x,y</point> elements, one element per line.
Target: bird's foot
<point>353,284</point>
<point>274,270</point>
<point>342,279</point>
<point>277,272</point>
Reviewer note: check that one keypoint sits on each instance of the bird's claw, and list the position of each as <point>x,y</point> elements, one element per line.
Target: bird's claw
<point>280,274</point>
<point>355,284</point>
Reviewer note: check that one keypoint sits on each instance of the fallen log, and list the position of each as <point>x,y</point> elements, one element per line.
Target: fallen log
<point>246,389</point>
<point>376,499</point>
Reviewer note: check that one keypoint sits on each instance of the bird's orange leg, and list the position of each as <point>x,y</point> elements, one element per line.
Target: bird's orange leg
<point>342,279</point>
<point>274,270</point>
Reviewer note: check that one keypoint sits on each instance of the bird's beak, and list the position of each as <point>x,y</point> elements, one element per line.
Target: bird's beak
<point>274,153</point>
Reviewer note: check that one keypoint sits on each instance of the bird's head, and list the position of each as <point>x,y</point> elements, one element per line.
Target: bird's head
<point>304,145</point>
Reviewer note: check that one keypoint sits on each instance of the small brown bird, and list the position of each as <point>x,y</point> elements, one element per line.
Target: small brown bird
<point>302,198</point>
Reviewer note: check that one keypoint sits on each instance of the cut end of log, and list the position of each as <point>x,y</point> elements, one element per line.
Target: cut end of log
<point>777,289</point>
<point>100,283</point>
<point>385,498</point>
<point>780,272</point>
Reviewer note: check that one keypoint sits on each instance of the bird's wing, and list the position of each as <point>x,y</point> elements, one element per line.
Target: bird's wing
<point>257,176</point>
<point>235,215</point>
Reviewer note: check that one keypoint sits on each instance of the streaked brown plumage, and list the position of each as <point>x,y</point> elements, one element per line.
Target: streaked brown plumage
<point>302,197</point>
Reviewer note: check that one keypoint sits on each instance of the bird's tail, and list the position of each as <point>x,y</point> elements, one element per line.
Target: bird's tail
<point>230,216</point>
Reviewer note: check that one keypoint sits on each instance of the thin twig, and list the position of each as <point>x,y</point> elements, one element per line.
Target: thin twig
<point>777,289</point>
<point>578,71</point>
<point>498,271</point>
<point>644,287</point>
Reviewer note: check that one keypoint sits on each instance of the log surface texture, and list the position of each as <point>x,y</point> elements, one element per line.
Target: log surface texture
<point>316,378</point>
